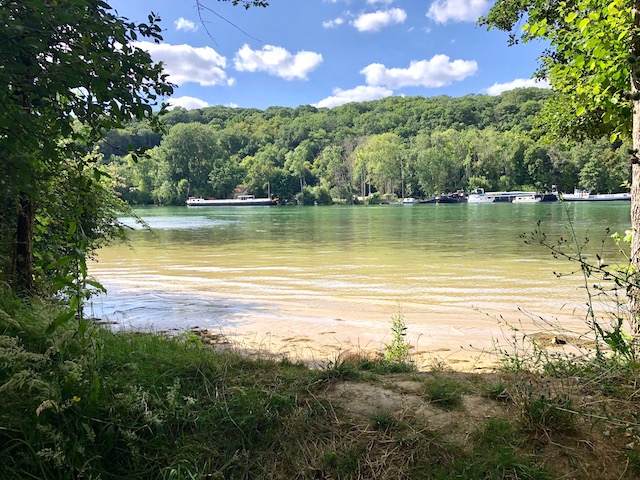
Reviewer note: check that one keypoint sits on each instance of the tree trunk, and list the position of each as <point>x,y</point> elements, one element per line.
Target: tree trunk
<point>634,291</point>
<point>24,245</point>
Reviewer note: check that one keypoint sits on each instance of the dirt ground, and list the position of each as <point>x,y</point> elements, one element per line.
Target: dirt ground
<point>600,436</point>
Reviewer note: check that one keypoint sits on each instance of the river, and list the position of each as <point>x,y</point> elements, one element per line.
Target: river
<point>308,281</point>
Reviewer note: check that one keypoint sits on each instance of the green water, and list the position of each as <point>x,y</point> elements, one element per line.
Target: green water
<point>235,266</point>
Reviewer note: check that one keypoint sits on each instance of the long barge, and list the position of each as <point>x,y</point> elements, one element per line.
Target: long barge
<point>584,196</point>
<point>480,196</point>
<point>241,200</point>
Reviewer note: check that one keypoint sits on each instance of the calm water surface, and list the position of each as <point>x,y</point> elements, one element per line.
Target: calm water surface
<point>326,268</point>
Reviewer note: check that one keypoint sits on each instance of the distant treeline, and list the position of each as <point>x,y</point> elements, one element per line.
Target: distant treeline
<point>402,146</point>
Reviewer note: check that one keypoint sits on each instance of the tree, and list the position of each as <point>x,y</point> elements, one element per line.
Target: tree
<point>189,152</point>
<point>539,165</point>
<point>298,161</point>
<point>68,74</point>
<point>382,155</point>
<point>332,170</point>
<point>594,66</point>
<point>261,168</point>
<point>439,160</point>
<point>224,177</point>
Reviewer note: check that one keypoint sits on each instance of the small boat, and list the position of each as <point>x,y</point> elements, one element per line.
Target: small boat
<point>586,196</point>
<point>410,201</point>
<point>241,200</point>
<point>453,197</point>
<point>533,198</point>
<point>479,196</point>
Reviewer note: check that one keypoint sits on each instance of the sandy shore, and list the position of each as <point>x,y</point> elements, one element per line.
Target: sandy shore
<point>316,330</point>
<point>465,341</point>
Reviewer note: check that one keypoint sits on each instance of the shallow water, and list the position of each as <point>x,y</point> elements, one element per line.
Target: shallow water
<point>310,271</point>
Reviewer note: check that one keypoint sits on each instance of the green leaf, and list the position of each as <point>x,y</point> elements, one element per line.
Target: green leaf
<point>95,388</point>
<point>571,17</point>
<point>583,23</point>
<point>60,262</point>
<point>96,284</point>
<point>60,320</point>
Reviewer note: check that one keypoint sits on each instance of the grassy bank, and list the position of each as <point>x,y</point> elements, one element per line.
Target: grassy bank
<point>132,405</point>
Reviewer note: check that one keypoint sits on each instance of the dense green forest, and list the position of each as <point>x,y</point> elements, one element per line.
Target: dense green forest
<point>398,146</point>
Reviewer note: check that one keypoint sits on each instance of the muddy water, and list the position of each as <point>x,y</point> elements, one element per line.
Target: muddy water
<point>314,279</point>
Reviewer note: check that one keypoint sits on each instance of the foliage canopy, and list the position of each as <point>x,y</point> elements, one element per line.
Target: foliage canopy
<point>68,73</point>
<point>589,62</point>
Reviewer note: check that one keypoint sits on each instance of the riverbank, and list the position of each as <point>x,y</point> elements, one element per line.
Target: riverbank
<point>131,405</point>
<point>474,343</point>
<point>315,331</point>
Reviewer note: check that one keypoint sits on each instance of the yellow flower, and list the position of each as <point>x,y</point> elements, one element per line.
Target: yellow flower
<point>76,398</point>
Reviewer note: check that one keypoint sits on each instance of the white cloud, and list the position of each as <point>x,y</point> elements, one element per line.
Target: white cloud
<point>376,21</point>
<point>359,94</point>
<point>277,61</point>
<point>187,102</point>
<point>185,25</point>
<point>336,22</point>
<point>498,88</point>
<point>443,11</point>
<point>437,72</point>
<point>382,81</point>
<point>385,2</point>
<point>185,63</point>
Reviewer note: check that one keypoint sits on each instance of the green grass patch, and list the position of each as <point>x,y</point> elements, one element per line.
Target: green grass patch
<point>444,391</point>
<point>539,413</point>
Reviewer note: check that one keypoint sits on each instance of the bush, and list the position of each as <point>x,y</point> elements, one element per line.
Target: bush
<point>317,195</point>
<point>306,197</point>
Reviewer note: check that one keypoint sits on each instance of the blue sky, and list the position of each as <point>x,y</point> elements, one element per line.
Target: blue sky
<point>330,52</point>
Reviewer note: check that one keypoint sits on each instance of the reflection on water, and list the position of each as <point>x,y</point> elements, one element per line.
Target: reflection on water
<point>235,266</point>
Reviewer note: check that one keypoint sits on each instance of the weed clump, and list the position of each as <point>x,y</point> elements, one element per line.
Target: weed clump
<point>398,351</point>
<point>445,392</point>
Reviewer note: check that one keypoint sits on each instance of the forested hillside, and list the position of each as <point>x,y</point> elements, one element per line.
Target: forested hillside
<point>402,146</point>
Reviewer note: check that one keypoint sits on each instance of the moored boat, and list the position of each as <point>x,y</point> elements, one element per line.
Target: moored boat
<point>533,198</point>
<point>248,200</point>
<point>480,196</point>
<point>453,197</point>
<point>586,196</point>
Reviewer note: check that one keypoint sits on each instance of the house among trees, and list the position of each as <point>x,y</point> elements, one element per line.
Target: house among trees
<point>240,191</point>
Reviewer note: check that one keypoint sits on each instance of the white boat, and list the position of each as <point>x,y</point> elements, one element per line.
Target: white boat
<point>586,196</point>
<point>533,198</point>
<point>248,200</point>
<point>410,201</point>
<point>480,196</point>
